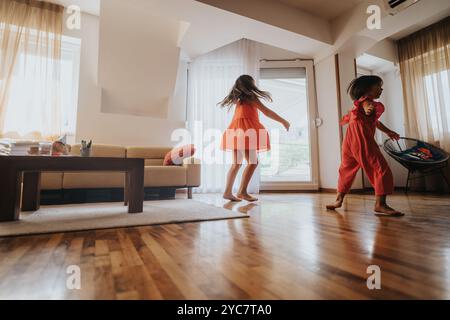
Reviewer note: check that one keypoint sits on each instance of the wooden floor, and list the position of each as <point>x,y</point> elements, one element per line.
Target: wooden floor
<point>288,248</point>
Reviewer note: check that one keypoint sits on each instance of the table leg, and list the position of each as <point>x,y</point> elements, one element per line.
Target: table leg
<point>135,190</point>
<point>31,194</point>
<point>126,188</point>
<point>10,189</point>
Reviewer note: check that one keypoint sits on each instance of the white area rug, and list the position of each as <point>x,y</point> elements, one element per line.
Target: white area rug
<point>53,219</point>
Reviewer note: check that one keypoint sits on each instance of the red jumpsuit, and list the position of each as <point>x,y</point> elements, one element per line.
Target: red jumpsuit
<point>360,150</point>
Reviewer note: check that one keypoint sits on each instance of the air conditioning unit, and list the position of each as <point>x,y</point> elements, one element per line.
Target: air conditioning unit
<point>395,6</point>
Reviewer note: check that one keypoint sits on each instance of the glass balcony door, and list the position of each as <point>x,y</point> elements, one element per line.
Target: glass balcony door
<point>292,162</point>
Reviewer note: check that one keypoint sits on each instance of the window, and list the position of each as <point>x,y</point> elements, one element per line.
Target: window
<point>438,101</point>
<point>30,105</point>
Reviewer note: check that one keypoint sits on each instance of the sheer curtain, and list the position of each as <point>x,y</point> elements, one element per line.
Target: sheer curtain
<point>211,77</point>
<point>30,68</point>
<point>425,70</point>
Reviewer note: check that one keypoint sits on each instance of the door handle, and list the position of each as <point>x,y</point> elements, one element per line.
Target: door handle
<point>318,122</point>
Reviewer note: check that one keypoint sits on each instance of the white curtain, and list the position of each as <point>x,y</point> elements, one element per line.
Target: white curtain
<point>211,78</point>
<point>425,67</point>
<point>424,60</point>
<point>30,68</point>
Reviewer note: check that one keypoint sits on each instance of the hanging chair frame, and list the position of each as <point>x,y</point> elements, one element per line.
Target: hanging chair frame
<point>418,169</point>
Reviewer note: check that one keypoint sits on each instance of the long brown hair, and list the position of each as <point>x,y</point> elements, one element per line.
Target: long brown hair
<point>244,91</point>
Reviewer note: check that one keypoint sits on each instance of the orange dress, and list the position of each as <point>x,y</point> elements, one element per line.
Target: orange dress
<point>246,131</point>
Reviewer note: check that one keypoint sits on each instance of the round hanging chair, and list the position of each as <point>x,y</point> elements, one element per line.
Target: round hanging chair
<point>417,156</point>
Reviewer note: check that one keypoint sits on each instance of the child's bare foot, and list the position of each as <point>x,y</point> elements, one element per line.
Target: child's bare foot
<point>385,210</point>
<point>335,205</point>
<point>246,197</point>
<point>231,197</point>
<point>338,203</point>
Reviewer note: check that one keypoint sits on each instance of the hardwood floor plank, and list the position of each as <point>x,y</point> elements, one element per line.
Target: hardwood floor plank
<point>180,279</point>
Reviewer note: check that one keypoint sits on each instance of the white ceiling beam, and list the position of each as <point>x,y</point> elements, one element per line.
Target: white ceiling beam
<point>351,34</point>
<point>280,15</point>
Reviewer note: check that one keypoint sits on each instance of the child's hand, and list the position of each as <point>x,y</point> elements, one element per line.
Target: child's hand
<point>393,135</point>
<point>368,108</point>
<point>287,125</point>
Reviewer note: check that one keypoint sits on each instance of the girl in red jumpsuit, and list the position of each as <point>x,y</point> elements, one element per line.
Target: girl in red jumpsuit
<point>360,150</point>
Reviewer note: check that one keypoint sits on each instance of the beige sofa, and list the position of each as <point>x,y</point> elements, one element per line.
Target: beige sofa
<point>156,175</point>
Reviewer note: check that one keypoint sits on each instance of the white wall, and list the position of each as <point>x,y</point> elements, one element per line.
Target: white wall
<point>138,60</point>
<point>178,102</point>
<point>386,49</point>
<point>393,97</point>
<point>328,133</point>
<point>107,128</point>
<point>394,118</point>
<point>274,53</point>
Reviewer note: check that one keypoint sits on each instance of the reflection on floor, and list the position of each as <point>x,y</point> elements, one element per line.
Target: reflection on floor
<point>289,248</point>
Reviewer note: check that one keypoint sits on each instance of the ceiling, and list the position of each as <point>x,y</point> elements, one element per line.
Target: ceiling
<point>211,28</point>
<point>420,25</point>
<point>374,64</point>
<point>327,9</point>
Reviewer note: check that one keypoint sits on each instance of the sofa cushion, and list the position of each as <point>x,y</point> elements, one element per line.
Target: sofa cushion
<point>92,180</point>
<point>51,180</point>
<point>193,172</point>
<point>102,150</point>
<point>165,176</point>
<point>154,162</point>
<point>147,152</point>
<point>81,180</point>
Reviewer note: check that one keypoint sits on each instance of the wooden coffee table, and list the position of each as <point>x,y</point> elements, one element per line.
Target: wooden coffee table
<point>27,169</point>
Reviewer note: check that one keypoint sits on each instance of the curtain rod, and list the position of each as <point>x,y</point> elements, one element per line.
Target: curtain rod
<point>279,60</point>
<point>284,60</point>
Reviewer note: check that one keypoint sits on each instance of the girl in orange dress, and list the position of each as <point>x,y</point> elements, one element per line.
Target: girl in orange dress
<point>360,150</point>
<point>246,136</point>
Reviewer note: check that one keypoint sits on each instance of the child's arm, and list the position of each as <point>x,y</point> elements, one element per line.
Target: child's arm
<point>391,134</point>
<point>273,115</point>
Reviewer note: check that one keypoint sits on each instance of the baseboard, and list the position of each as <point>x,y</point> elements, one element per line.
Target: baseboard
<point>361,191</point>
<point>327,190</point>
<point>412,190</point>
<point>321,190</point>
<point>369,189</point>
<point>287,191</point>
